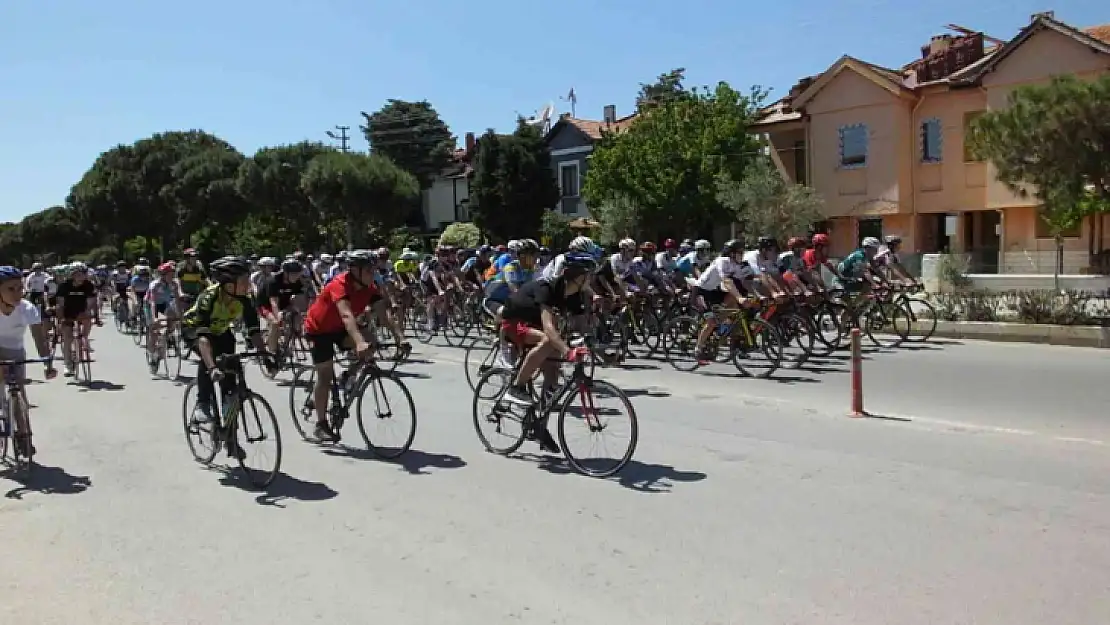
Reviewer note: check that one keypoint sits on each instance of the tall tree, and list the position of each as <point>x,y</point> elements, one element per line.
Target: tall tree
<point>1051,141</point>
<point>666,88</point>
<point>281,213</point>
<point>513,183</point>
<point>413,136</point>
<point>764,204</point>
<point>667,162</point>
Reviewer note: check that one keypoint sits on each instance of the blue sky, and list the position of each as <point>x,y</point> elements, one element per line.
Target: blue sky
<point>78,77</point>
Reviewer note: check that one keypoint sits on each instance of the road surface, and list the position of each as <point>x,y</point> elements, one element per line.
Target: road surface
<point>758,502</point>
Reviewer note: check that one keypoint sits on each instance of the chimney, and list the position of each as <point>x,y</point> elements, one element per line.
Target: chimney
<point>469,143</point>
<point>1049,14</point>
<point>939,44</point>
<point>610,116</point>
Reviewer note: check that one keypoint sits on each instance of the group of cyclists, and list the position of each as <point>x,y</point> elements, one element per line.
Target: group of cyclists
<point>525,288</point>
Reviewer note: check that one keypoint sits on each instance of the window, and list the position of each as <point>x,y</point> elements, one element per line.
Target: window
<point>1041,230</point>
<point>969,117</point>
<point>853,146</point>
<point>568,179</point>
<point>931,141</point>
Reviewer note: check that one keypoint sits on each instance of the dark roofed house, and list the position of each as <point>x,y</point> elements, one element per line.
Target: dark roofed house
<point>570,142</point>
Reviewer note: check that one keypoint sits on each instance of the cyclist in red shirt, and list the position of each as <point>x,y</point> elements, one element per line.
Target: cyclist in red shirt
<point>818,256</point>
<point>332,323</point>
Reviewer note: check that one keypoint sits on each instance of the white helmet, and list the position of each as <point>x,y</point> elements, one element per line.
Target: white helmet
<point>267,261</point>
<point>702,245</point>
<point>78,266</point>
<point>581,244</point>
<point>325,258</point>
<point>627,245</point>
<point>513,245</point>
<point>870,242</point>
<point>409,255</point>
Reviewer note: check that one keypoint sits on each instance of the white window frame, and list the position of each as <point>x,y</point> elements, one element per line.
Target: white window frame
<point>866,146</point>
<point>924,133</point>
<point>577,179</point>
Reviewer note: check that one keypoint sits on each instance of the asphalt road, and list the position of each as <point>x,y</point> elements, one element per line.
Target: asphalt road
<point>748,502</point>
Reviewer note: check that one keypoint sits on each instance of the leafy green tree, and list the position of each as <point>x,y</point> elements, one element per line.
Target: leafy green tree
<point>667,162</point>
<point>619,218</point>
<point>280,212</point>
<point>764,204</point>
<point>364,191</point>
<point>666,88</point>
<point>461,234</point>
<point>1051,142</point>
<point>513,183</point>
<point>205,196</point>
<point>555,229</point>
<point>413,136</point>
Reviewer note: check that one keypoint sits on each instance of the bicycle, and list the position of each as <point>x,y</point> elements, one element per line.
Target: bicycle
<point>291,346</point>
<point>536,416</point>
<point>743,338</point>
<point>224,427</point>
<point>81,353</point>
<point>349,389</point>
<point>14,407</point>
<point>167,348</point>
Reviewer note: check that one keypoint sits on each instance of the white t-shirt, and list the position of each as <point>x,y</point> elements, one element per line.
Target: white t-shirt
<point>620,265</point>
<point>759,264</point>
<point>36,282</point>
<point>723,267</point>
<point>13,327</point>
<point>554,268</point>
<point>665,262</point>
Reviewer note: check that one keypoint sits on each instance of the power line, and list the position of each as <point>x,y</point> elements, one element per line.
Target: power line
<point>342,137</point>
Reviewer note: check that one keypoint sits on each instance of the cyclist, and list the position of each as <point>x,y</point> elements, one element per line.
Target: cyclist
<point>77,298</point>
<point>140,282</point>
<point>217,308</point>
<point>160,309</point>
<point>35,285</point>
<point>529,319</point>
<point>16,317</point>
<point>817,257</point>
<point>857,270</point>
<point>888,260</point>
<point>724,282</point>
<point>332,323</point>
<point>281,291</point>
<point>191,276</point>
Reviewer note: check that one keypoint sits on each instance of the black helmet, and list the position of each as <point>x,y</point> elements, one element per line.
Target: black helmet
<point>766,243</point>
<point>577,263</point>
<point>229,268</point>
<point>361,258</point>
<point>292,265</point>
<point>731,247</point>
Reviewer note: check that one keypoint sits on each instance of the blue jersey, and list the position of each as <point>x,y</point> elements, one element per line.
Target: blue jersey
<point>502,260</point>
<point>497,289</point>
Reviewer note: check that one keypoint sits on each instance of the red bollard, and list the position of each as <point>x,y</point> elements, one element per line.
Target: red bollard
<point>857,375</point>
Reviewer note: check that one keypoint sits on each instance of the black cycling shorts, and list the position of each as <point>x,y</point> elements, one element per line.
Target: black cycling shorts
<point>322,347</point>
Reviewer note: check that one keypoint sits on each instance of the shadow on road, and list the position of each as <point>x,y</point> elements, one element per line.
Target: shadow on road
<point>412,461</point>
<point>637,476</point>
<point>775,377</point>
<point>645,392</point>
<point>99,385</point>
<point>48,481</point>
<point>283,487</point>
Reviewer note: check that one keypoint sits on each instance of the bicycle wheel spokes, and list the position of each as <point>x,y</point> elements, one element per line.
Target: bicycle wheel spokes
<point>923,318</point>
<point>499,424</point>
<point>256,431</point>
<point>301,406</point>
<point>199,436</point>
<point>597,428</point>
<point>388,430</point>
<point>478,359</point>
<point>762,358</point>
<point>679,343</point>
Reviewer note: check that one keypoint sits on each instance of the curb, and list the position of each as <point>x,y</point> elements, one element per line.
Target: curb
<point>1046,334</point>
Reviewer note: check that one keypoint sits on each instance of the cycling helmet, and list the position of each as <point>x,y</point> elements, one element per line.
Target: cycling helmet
<point>581,244</point>
<point>165,267</point>
<point>292,266</point>
<point>576,263</point>
<point>409,255</point>
<point>732,246</point>
<point>685,248</point>
<point>341,257</point>
<point>647,247</point>
<point>298,255</point>
<point>143,261</point>
<point>78,266</point>
<point>514,246</point>
<point>501,249</point>
<point>38,267</point>
<point>7,272</point>
<point>143,270</point>
<point>627,245</point>
<point>121,263</point>
<point>669,244</point>
<point>485,249</point>
<point>893,240</point>
<point>528,246</point>
<point>268,261</point>
<point>820,239</point>
<point>383,253</point>
<point>544,251</point>
<point>796,242</point>
<point>189,252</point>
<point>326,258</point>
<point>102,267</point>
<point>229,269</point>
<point>361,258</point>
<point>766,243</point>
<point>703,245</point>
<point>870,242</point>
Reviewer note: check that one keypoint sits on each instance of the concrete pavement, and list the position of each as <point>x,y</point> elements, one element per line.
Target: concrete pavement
<point>748,502</point>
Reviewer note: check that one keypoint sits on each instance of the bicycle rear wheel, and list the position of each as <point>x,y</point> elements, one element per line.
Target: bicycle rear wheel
<point>388,413</point>
<point>84,358</point>
<point>256,431</point>
<point>504,417</point>
<point>595,421</point>
<point>923,320</point>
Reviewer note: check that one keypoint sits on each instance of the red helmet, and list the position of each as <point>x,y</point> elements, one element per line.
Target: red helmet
<point>669,244</point>
<point>647,247</point>
<point>164,267</point>
<point>502,248</point>
<point>796,242</point>
<point>820,239</point>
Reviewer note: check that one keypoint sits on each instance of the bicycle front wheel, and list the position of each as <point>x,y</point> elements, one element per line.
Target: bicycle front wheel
<point>200,436</point>
<point>923,320</point>
<point>394,413</point>
<point>256,432</point>
<point>301,406</point>
<point>588,420</point>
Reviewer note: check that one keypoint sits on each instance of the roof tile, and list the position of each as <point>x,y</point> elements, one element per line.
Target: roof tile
<point>1100,32</point>
<point>594,129</point>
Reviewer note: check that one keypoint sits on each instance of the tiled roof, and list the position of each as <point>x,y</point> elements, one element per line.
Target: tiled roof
<point>1101,32</point>
<point>593,128</point>
<point>776,113</point>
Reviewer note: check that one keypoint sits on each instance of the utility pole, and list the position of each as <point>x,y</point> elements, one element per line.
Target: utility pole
<point>342,137</point>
